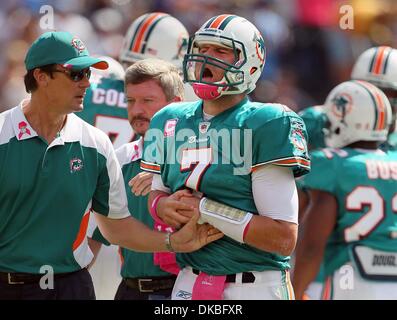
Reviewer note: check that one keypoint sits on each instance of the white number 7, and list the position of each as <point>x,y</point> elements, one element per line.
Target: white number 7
<point>197,161</point>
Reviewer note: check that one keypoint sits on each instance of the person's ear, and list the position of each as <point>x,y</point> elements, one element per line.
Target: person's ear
<point>41,77</point>
<point>176,99</point>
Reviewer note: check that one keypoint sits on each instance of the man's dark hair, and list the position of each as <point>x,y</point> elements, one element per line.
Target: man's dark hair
<point>30,81</point>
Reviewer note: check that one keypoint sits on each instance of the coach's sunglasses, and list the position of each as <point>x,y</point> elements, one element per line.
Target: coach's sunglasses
<point>76,76</point>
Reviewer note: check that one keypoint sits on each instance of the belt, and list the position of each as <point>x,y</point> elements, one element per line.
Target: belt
<point>22,278</point>
<point>150,284</point>
<point>247,277</point>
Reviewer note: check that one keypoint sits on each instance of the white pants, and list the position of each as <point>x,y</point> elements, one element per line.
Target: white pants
<point>268,285</point>
<point>105,272</point>
<point>347,284</point>
<point>314,290</point>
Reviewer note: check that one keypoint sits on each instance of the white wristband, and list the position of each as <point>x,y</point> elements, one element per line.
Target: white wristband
<point>231,221</point>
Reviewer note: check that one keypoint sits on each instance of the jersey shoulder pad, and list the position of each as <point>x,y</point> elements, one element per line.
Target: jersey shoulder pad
<point>279,138</point>
<point>175,110</point>
<point>262,113</point>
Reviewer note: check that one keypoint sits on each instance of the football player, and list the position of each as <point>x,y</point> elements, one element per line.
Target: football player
<point>233,160</point>
<point>351,224</point>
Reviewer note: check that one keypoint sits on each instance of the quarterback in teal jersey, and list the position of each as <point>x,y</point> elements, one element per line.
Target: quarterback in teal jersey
<point>352,222</point>
<point>232,160</point>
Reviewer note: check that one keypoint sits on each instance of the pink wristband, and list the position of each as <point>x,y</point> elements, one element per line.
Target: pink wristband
<point>153,208</point>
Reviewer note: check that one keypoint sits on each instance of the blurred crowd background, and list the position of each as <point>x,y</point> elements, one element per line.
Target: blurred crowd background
<point>307,51</point>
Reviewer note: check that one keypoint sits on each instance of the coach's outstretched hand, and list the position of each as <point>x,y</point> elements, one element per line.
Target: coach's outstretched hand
<point>192,236</point>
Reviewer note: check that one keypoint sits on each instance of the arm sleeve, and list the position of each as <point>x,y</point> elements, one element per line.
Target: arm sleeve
<point>275,193</point>
<point>157,184</point>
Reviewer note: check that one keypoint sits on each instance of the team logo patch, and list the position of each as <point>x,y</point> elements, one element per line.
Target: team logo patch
<point>184,295</point>
<point>299,141</point>
<point>23,129</point>
<point>341,105</point>
<point>75,164</point>
<point>260,47</point>
<point>78,44</point>
<point>203,127</point>
<point>169,128</point>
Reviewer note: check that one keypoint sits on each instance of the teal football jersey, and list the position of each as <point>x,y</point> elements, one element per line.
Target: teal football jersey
<point>216,158</point>
<point>105,108</point>
<point>365,187</point>
<point>315,120</point>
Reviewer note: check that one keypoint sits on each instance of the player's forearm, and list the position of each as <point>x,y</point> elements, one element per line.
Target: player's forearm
<point>307,264</point>
<point>261,232</point>
<point>131,234</point>
<point>152,196</point>
<point>271,235</point>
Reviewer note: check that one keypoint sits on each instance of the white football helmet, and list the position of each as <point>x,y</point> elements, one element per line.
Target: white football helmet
<point>155,35</point>
<point>247,43</point>
<point>378,66</point>
<point>357,111</point>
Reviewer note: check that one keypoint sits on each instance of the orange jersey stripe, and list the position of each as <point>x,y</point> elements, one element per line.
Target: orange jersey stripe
<point>217,22</point>
<point>82,234</point>
<point>150,167</point>
<point>141,33</point>
<point>379,60</point>
<point>293,161</point>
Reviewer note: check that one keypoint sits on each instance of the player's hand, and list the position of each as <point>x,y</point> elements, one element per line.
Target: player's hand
<point>168,209</point>
<point>141,184</point>
<point>193,201</point>
<point>193,236</point>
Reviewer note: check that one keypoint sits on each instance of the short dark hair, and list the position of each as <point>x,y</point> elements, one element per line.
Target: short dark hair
<point>30,81</point>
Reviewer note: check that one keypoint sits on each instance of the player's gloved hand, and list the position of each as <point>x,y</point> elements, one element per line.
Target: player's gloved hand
<point>168,209</point>
<point>141,184</point>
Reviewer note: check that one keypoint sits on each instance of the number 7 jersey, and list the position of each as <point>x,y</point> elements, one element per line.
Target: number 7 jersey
<point>364,184</point>
<point>216,158</point>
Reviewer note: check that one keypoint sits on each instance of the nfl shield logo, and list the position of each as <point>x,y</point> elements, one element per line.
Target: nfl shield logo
<point>203,126</point>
